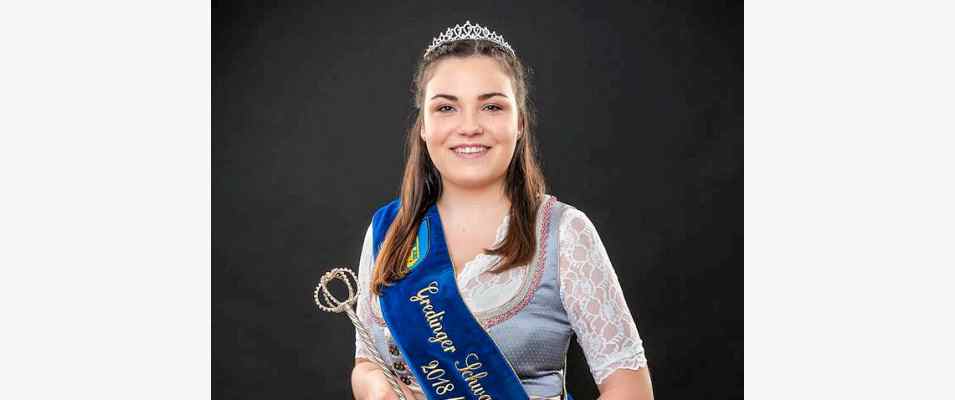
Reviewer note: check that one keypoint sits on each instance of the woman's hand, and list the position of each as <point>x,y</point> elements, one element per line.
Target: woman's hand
<point>380,390</point>
<point>369,383</point>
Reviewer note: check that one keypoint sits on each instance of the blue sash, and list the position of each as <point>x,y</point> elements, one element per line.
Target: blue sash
<point>446,348</point>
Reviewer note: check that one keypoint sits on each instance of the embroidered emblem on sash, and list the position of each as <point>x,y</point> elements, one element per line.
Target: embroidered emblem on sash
<point>420,249</point>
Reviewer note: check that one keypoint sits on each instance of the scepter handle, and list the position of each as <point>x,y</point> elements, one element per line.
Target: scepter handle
<point>365,338</point>
<point>333,304</point>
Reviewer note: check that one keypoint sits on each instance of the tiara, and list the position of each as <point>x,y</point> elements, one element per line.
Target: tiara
<point>468,31</point>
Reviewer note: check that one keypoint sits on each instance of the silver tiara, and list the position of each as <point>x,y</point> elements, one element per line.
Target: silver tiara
<point>468,31</point>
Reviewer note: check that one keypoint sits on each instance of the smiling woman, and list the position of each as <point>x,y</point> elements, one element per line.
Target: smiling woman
<point>474,249</point>
<point>469,93</point>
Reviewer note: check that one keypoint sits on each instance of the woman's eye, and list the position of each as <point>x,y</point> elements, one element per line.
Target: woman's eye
<point>443,108</point>
<point>494,107</point>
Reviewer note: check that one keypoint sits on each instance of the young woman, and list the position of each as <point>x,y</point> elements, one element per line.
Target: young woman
<point>474,280</point>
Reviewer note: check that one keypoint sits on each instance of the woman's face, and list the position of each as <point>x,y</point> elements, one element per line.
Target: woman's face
<point>470,121</point>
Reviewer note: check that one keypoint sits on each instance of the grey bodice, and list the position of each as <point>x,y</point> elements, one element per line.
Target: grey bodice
<point>532,329</point>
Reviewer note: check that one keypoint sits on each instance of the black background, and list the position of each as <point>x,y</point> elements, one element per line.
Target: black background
<point>641,127</point>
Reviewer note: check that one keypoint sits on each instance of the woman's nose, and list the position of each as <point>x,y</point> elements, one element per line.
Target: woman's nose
<point>470,126</point>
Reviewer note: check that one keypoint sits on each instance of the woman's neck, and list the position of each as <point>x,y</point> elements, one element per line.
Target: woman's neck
<point>474,203</point>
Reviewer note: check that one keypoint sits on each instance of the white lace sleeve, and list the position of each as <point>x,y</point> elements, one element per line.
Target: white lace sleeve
<point>594,300</point>
<point>364,277</point>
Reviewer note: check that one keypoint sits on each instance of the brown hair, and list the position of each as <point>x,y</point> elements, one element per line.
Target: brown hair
<point>421,185</point>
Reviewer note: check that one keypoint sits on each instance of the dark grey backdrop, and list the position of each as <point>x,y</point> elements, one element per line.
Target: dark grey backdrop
<point>640,127</point>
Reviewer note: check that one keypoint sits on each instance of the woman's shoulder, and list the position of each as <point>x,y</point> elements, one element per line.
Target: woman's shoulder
<point>384,214</point>
<point>568,212</point>
<point>380,221</point>
<point>389,208</point>
<point>572,222</point>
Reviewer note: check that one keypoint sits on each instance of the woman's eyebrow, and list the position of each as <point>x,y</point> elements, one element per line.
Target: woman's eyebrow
<point>484,96</point>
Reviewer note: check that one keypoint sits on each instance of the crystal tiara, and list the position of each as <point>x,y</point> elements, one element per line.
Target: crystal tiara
<point>468,31</point>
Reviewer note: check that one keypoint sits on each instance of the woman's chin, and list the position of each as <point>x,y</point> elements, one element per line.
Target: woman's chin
<point>473,181</point>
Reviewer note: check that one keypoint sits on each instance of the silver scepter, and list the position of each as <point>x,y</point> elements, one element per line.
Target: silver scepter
<point>333,304</point>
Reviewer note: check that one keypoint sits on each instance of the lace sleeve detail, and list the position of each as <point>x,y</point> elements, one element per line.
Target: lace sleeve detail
<point>365,265</point>
<point>594,301</point>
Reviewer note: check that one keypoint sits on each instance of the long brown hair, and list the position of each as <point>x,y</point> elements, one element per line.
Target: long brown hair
<point>421,186</point>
